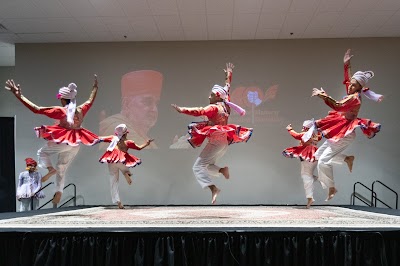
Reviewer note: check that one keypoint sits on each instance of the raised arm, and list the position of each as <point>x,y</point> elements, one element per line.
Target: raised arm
<point>347,67</point>
<point>293,133</point>
<point>228,73</point>
<point>93,95</point>
<point>52,112</point>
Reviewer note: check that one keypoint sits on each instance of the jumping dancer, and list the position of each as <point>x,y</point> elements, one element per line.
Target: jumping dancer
<point>340,124</point>
<point>305,152</point>
<point>219,133</point>
<point>63,139</point>
<point>119,159</point>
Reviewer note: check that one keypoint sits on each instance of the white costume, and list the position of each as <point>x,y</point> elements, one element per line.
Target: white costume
<point>29,183</point>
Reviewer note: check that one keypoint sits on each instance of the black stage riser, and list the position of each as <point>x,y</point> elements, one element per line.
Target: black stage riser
<point>200,248</point>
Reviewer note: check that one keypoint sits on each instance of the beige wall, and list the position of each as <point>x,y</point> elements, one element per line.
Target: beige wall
<point>259,173</point>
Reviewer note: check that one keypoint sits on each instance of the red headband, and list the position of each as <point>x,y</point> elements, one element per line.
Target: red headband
<point>30,161</point>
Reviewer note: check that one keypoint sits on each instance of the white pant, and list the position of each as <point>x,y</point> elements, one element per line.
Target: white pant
<point>330,153</point>
<point>113,169</point>
<point>307,174</point>
<point>25,204</point>
<point>66,154</point>
<point>205,167</point>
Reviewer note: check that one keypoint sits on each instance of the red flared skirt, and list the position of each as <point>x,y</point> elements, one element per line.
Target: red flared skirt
<point>71,137</point>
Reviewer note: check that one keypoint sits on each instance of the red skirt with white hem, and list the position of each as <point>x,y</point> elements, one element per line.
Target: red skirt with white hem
<point>304,152</point>
<point>71,137</point>
<point>118,156</point>
<point>335,126</point>
<point>199,131</point>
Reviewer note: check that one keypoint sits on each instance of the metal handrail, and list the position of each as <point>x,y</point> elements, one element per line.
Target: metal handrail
<point>375,197</point>
<point>38,192</point>
<point>355,194</point>
<point>73,198</point>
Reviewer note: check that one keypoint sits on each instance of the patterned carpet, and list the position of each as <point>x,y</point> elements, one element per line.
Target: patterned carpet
<point>207,217</point>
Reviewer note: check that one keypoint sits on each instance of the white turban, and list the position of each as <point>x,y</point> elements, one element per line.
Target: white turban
<point>311,127</point>
<point>119,131</point>
<point>69,93</point>
<point>363,76</point>
<point>223,93</point>
<point>220,91</point>
<point>308,123</point>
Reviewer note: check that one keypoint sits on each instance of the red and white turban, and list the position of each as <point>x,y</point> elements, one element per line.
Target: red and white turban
<point>223,93</point>
<point>311,127</point>
<point>363,77</point>
<point>119,131</point>
<point>69,93</point>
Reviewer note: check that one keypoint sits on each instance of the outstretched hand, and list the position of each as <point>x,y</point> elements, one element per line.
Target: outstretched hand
<point>149,141</point>
<point>318,92</point>
<point>14,88</point>
<point>289,127</point>
<point>347,57</point>
<point>229,67</point>
<point>177,108</point>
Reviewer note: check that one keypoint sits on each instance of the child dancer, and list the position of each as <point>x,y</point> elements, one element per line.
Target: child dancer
<point>29,183</point>
<point>219,133</point>
<point>340,124</point>
<point>305,152</point>
<point>63,139</point>
<point>119,159</point>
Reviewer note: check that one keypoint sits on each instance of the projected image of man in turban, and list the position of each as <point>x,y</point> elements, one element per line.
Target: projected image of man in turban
<point>140,95</point>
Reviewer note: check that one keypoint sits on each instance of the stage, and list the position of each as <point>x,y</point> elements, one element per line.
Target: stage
<point>201,235</point>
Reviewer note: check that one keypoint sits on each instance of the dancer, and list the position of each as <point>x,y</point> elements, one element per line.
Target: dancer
<point>340,124</point>
<point>29,183</point>
<point>305,152</point>
<point>63,139</point>
<point>219,133</point>
<point>119,159</point>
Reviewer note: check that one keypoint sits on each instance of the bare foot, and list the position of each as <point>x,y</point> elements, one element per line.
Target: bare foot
<point>128,178</point>
<point>349,160</point>
<point>225,172</point>
<point>51,172</point>
<point>332,192</point>
<point>309,202</point>
<point>120,206</point>
<point>57,197</point>
<point>215,191</point>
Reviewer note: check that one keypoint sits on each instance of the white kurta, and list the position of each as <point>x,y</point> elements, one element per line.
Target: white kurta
<point>29,183</point>
<point>66,153</point>
<point>204,168</point>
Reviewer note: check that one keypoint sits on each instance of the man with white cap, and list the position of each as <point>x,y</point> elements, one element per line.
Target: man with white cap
<point>340,124</point>
<point>119,159</point>
<point>63,139</point>
<point>140,95</point>
<point>305,152</point>
<point>219,133</point>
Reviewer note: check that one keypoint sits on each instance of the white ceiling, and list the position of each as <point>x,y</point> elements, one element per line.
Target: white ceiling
<point>49,21</point>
